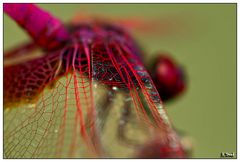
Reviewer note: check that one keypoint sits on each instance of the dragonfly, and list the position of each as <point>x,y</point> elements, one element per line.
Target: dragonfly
<point>81,91</point>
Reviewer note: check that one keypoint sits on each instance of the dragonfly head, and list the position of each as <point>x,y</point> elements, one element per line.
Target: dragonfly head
<point>168,76</point>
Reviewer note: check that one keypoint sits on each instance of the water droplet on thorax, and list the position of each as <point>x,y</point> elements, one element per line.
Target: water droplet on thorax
<point>115,88</point>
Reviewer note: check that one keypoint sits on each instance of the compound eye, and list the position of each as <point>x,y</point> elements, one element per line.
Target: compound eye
<point>168,76</point>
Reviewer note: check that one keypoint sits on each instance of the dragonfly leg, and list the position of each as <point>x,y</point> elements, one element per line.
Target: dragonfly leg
<point>23,49</point>
<point>22,53</point>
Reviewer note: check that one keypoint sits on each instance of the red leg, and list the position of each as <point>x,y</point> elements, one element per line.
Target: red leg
<point>23,49</point>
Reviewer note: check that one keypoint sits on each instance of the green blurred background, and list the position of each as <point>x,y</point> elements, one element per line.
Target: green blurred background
<point>202,38</point>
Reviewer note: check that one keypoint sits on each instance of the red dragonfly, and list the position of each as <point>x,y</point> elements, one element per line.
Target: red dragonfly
<point>85,94</point>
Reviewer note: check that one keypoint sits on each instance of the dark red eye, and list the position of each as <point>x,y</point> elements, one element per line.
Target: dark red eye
<point>168,77</point>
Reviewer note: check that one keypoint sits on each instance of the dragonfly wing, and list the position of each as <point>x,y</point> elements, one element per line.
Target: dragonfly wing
<point>48,107</point>
<point>85,101</point>
<point>130,97</point>
<point>25,115</point>
<point>23,82</point>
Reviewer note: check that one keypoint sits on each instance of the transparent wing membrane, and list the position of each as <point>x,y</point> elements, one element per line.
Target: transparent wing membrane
<point>86,100</point>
